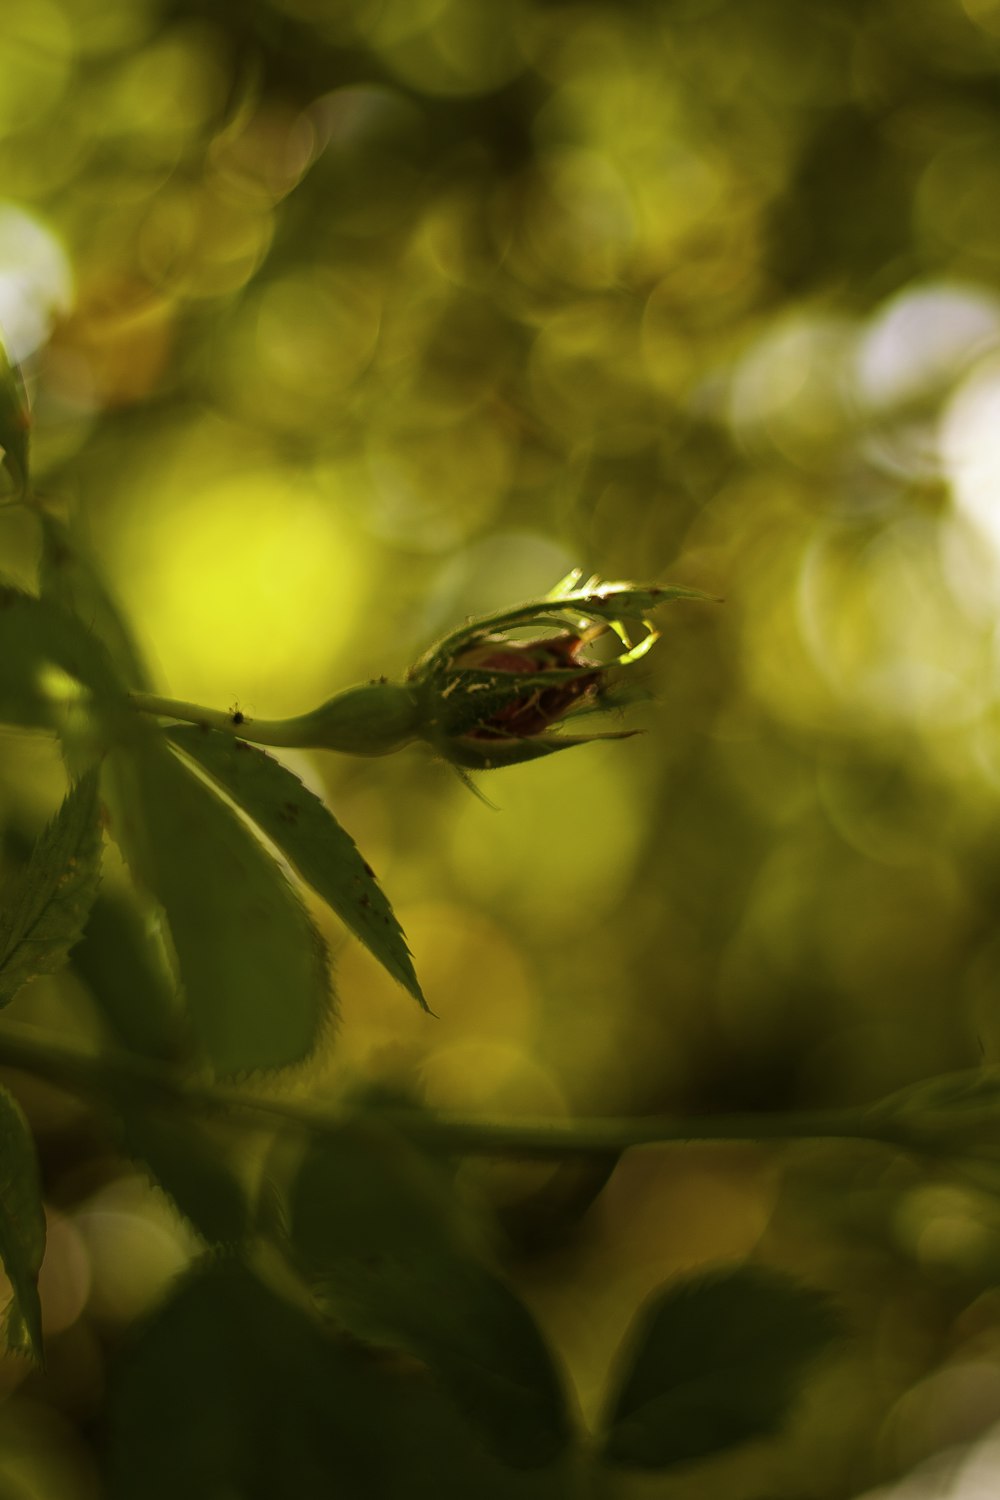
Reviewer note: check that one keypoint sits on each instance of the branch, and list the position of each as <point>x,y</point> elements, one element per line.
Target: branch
<point>97,1077</point>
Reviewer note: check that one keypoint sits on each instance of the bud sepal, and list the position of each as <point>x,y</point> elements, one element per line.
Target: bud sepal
<point>489,699</point>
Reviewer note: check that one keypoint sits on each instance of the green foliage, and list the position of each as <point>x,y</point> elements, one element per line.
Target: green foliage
<point>309,837</point>
<point>43,910</point>
<point>251,962</point>
<point>351,322</point>
<point>187,1163</point>
<point>230,1389</point>
<point>375,1228</point>
<point>69,578</point>
<point>22,1229</point>
<point>128,979</point>
<point>37,636</point>
<point>392,1262</point>
<point>711,1363</point>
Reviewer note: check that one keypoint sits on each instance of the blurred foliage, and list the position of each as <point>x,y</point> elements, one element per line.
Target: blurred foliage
<point>341,321</point>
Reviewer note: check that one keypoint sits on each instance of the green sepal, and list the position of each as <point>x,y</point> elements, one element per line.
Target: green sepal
<point>494,754</point>
<point>569,603</point>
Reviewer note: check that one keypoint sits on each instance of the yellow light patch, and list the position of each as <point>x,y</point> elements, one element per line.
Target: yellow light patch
<point>245,587</point>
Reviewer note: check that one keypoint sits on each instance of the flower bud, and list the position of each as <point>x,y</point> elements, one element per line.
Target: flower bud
<point>488,699</point>
<point>483,697</point>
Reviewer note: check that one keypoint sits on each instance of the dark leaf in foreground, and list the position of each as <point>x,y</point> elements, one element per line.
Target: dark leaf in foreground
<point>711,1363</point>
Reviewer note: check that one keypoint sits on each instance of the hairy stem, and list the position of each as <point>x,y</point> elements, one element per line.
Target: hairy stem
<point>97,1076</point>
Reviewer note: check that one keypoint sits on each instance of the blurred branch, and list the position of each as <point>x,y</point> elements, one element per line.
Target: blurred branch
<point>102,1077</point>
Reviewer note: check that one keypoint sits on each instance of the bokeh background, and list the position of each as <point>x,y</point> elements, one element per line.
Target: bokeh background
<point>342,321</point>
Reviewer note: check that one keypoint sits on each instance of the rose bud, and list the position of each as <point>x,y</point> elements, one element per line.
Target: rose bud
<point>481,696</point>
<point>488,700</point>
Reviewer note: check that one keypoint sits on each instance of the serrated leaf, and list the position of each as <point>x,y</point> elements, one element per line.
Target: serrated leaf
<point>70,578</point>
<point>373,1226</point>
<point>230,1391</point>
<point>44,908</point>
<point>22,1229</point>
<point>309,837</point>
<point>711,1363</point>
<point>252,965</point>
<point>15,423</point>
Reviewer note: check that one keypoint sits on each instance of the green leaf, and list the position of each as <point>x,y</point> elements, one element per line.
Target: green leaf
<point>118,961</point>
<point>230,1391</point>
<point>252,965</point>
<point>188,1165</point>
<point>35,637</point>
<point>70,578</point>
<point>711,1363</point>
<point>44,908</point>
<point>22,1229</point>
<point>373,1227</point>
<point>309,837</point>
<point>15,422</point>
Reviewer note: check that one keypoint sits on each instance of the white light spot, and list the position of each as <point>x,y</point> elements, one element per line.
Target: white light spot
<point>923,339</point>
<point>36,283</point>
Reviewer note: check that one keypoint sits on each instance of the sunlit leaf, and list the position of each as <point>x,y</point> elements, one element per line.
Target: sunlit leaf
<point>373,1225</point>
<point>252,965</point>
<point>310,838</point>
<point>22,1229</point>
<point>711,1363</point>
<point>70,577</point>
<point>15,422</point>
<point>228,1390</point>
<point>43,909</point>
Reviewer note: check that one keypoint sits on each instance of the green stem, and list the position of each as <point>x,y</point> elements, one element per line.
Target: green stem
<point>98,1076</point>
<point>373,718</point>
<point>261,731</point>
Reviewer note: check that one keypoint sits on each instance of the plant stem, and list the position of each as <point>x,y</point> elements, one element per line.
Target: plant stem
<point>262,731</point>
<point>371,718</point>
<point>100,1076</point>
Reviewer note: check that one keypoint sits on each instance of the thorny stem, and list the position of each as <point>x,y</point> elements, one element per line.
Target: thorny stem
<point>95,1076</point>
